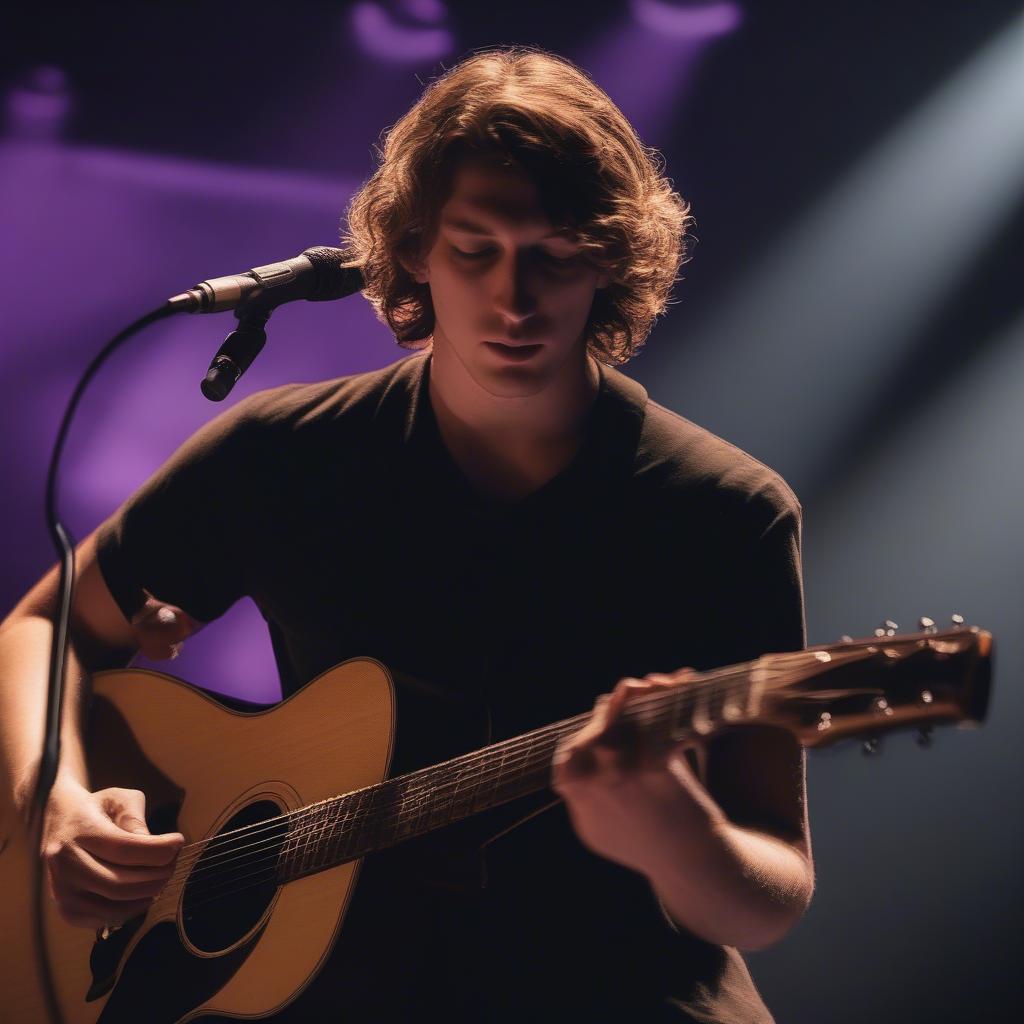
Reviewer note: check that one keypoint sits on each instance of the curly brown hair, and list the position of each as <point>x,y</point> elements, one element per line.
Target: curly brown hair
<point>539,112</point>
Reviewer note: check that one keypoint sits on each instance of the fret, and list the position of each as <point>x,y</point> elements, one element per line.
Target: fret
<point>681,715</point>
<point>436,811</point>
<point>331,832</point>
<point>453,804</point>
<point>485,792</point>
<point>296,843</point>
<point>373,816</point>
<point>339,834</point>
<point>344,831</point>
<point>284,856</point>
<point>402,815</point>
<point>422,810</point>
<point>307,836</point>
<point>292,843</point>
<point>507,784</point>
<point>390,813</point>
<point>317,832</point>
<point>308,832</point>
<point>311,846</point>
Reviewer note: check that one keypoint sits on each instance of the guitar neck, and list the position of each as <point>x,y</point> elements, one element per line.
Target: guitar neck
<point>821,695</point>
<point>348,827</point>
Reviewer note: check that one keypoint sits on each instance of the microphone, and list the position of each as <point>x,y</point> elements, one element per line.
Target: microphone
<point>316,275</point>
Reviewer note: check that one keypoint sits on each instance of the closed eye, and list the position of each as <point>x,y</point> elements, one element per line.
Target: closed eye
<point>481,253</point>
<point>476,254</point>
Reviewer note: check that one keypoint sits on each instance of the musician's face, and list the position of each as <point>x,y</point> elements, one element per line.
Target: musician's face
<point>511,295</point>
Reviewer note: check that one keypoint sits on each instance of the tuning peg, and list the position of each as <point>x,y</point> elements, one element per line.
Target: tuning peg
<point>871,746</point>
<point>845,639</point>
<point>957,620</point>
<point>887,628</point>
<point>927,625</point>
<point>925,736</point>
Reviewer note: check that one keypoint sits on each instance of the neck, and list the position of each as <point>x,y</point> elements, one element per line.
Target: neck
<point>549,413</point>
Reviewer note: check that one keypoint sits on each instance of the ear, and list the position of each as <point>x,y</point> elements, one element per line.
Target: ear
<point>418,271</point>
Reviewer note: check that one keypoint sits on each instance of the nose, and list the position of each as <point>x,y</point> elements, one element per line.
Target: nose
<point>514,296</point>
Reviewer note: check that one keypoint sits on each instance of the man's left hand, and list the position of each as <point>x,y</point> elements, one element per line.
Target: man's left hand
<point>631,798</point>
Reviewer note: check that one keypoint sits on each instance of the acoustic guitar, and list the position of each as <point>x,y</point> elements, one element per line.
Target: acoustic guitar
<point>279,806</point>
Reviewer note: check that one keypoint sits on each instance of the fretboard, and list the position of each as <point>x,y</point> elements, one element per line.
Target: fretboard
<point>348,827</point>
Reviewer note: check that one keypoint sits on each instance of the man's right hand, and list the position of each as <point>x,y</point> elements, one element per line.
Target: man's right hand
<point>104,866</point>
<point>160,629</point>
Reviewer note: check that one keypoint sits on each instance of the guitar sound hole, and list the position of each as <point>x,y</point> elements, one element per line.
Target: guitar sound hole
<point>234,881</point>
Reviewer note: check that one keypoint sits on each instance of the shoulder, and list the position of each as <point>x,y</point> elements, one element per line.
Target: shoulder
<point>693,470</point>
<point>329,405</point>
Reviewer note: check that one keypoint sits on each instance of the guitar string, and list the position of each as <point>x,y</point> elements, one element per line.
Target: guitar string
<point>252,879</point>
<point>422,779</point>
<point>264,870</point>
<point>380,811</point>
<point>259,877</point>
<point>339,825</point>
<point>427,777</point>
<point>642,705</point>
<point>710,681</point>
<point>228,837</point>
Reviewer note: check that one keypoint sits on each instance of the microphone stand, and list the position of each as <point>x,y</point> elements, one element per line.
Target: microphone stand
<point>233,358</point>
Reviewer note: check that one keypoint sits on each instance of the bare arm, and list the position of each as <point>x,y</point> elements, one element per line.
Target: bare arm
<point>100,638</point>
<point>102,863</point>
<point>742,881</point>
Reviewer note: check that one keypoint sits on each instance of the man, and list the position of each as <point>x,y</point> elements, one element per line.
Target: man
<point>506,522</point>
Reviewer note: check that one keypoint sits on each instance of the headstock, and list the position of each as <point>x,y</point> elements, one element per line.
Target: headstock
<point>868,686</point>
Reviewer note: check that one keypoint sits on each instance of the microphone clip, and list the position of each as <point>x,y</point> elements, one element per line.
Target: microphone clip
<point>235,356</point>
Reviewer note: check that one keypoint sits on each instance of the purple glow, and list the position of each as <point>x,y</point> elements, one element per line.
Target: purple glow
<point>648,99</point>
<point>381,37</point>
<point>38,107</point>
<point>121,232</point>
<point>698,21</point>
<point>179,174</point>
<point>430,12</point>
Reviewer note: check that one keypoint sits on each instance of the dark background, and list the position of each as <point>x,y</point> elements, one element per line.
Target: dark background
<point>852,315</point>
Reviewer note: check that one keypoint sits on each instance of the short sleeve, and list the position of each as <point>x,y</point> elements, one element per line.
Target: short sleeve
<point>183,535</point>
<point>765,602</point>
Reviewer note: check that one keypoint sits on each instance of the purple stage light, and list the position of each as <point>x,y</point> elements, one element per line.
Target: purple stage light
<point>687,20</point>
<point>429,12</point>
<point>117,232</point>
<point>381,35</point>
<point>38,106</point>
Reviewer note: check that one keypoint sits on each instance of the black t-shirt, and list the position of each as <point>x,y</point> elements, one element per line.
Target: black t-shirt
<point>337,508</point>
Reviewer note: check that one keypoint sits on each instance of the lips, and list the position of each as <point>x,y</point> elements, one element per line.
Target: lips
<point>516,352</point>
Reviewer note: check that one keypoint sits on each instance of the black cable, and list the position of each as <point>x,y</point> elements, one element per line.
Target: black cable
<point>58,650</point>
<point>318,275</point>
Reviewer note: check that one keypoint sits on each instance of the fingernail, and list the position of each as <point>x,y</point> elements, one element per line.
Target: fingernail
<point>166,615</point>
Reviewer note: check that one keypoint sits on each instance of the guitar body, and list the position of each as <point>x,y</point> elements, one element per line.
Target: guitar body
<point>205,769</point>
